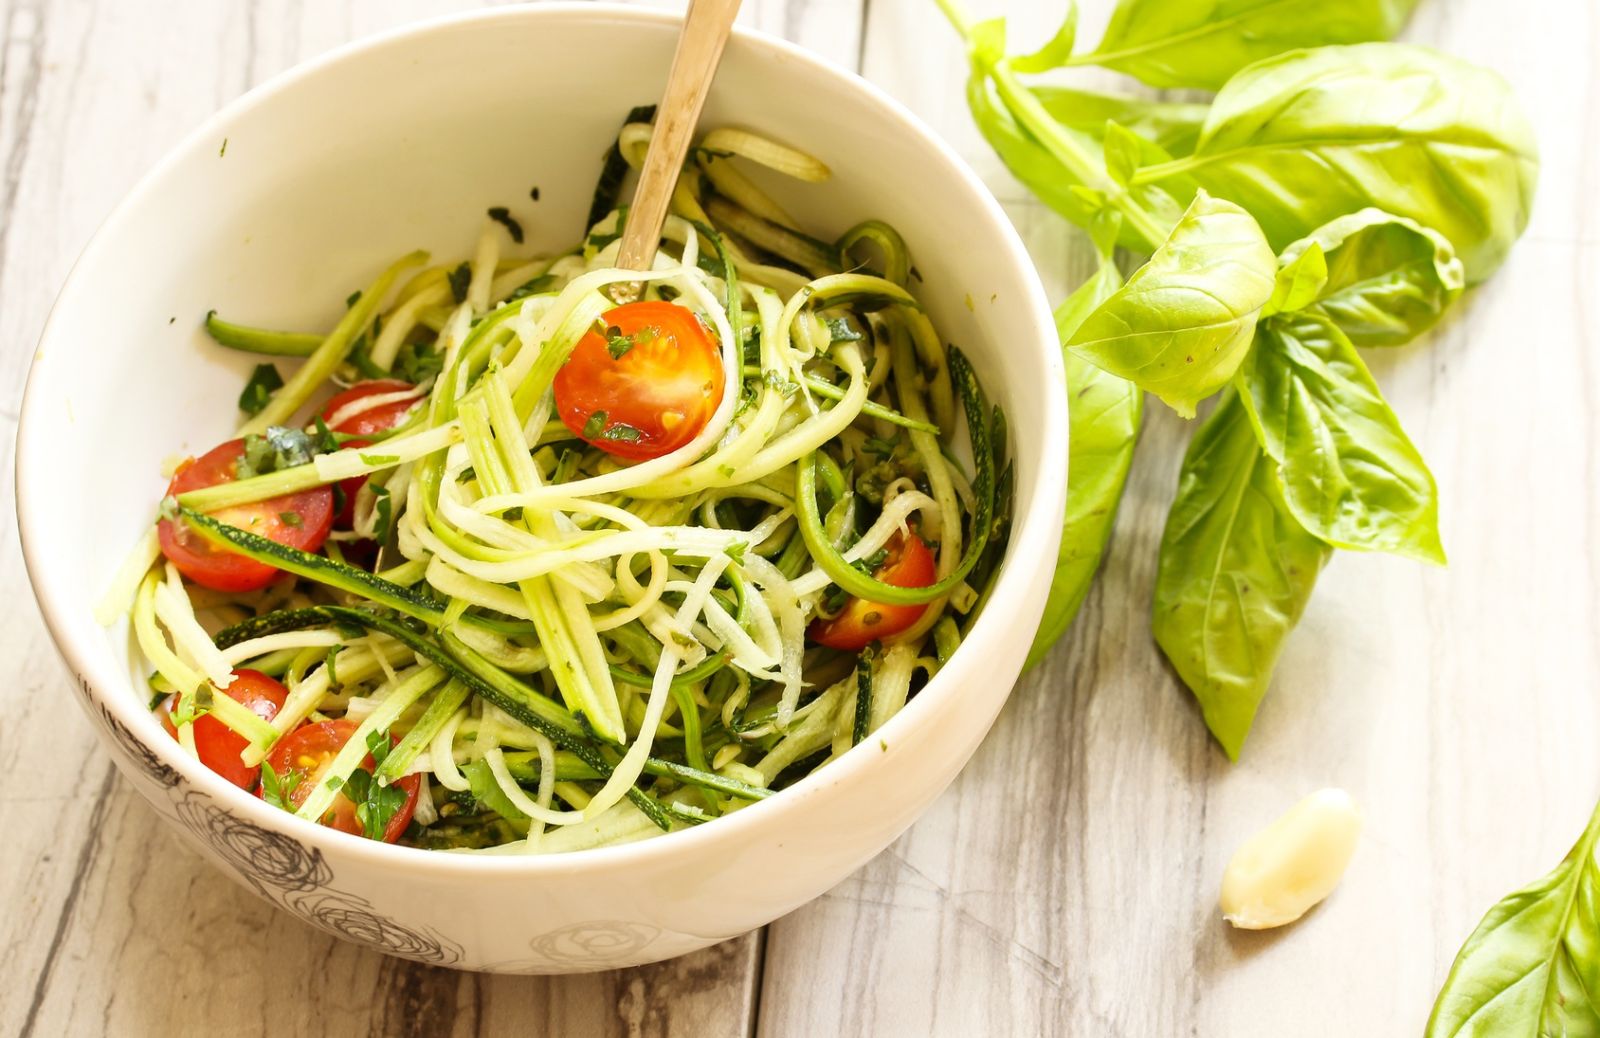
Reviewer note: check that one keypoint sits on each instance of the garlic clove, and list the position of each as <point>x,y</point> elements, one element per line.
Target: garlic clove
<point>1281,872</point>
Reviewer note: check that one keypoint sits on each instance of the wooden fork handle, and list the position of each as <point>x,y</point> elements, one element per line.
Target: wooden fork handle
<point>705,33</point>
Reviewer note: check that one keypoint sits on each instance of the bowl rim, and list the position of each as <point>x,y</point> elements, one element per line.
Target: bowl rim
<point>1035,533</point>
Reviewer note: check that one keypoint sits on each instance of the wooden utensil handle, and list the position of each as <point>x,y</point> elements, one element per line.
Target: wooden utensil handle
<point>705,33</point>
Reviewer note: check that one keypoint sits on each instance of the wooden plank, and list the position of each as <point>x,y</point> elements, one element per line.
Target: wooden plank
<point>110,927</point>
<point>1066,883</point>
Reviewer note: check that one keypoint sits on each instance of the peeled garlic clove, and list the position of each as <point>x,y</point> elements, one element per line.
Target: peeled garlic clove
<point>1283,870</point>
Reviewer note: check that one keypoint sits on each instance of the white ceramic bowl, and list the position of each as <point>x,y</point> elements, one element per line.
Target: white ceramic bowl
<point>402,141</point>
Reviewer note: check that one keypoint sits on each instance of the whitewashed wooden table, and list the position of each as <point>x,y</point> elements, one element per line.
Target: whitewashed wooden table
<point>1066,883</point>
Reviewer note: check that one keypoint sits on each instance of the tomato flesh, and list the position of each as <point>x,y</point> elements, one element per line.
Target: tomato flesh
<point>860,623</point>
<point>218,745</point>
<point>299,520</point>
<point>370,422</point>
<point>645,388</point>
<point>300,760</point>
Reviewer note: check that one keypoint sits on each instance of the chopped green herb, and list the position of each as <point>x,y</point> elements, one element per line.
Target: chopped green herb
<point>224,149</point>
<point>778,384</point>
<point>467,475</point>
<point>279,448</point>
<point>620,432</point>
<point>459,279</point>
<point>326,442</point>
<point>385,508</point>
<point>841,330</point>
<point>264,381</point>
<point>542,283</point>
<point>534,194</point>
<point>417,362</point>
<point>291,519</point>
<point>502,216</point>
<point>736,550</point>
<point>617,344</point>
<point>352,299</point>
<point>191,707</point>
<point>278,790</point>
<point>333,667</point>
<point>595,425</point>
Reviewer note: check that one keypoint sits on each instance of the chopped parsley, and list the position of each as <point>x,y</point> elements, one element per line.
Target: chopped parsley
<point>459,279</point>
<point>502,216</point>
<point>264,381</point>
<point>534,194</point>
<point>778,384</point>
<point>594,425</point>
<point>385,509</point>
<point>352,299</point>
<point>279,791</point>
<point>417,362</point>
<point>542,283</point>
<point>326,442</point>
<point>332,667</point>
<point>376,805</point>
<point>291,519</point>
<point>736,550</point>
<point>621,432</point>
<point>841,330</point>
<point>279,448</point>
<point>191,707</point>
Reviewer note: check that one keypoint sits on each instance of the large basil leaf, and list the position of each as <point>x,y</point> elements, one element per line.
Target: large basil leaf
<point>1350,474</point>
<point>1103,425</point>
<point>1389,279</point>
<point>1235,573</point>
<point>1532,967</point>
<point>1200,43</point>
<point>1306,137</point>
<point>1184,320</point>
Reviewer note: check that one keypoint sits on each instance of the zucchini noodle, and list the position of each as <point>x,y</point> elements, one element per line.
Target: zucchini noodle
<point>533,630</point>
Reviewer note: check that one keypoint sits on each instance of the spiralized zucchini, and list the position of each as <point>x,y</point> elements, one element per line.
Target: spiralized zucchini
<point>570,648</point>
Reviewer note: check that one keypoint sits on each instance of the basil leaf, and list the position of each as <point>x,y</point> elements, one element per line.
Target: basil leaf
<point>1389,279</point>
<point>1310,136</point>
<point>1103,424</point>
<point>1184,320</point>
<point>1181,43</point>
<point>1235,573</point>
<point>1350,474</point>
<point>1532,967</point>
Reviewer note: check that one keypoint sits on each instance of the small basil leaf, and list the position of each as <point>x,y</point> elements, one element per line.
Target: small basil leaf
<point>1389,278</point>
<point>1300,281</point>
<point>1057,50</point>
<point>1235,573</point>
<point>1532,967</point>
<point>1184,321</point>
<point>1350,474</point>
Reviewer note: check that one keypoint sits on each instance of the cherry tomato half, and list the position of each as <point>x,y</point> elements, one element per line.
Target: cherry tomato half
<point>859,623</point>
<point>374,420</point>
<point>218,745</point>
<point>299,520</point>
<point>645,388</point>
<point>300,760</point>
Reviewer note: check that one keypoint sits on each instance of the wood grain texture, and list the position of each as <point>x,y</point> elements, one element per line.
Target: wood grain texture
<point>1066,884</point>
<point>108,927</point>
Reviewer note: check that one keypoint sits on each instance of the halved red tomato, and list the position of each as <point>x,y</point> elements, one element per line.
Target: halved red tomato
<point>300,760</point>
<point>299,520</point>
<point>218,745</point>
<point>365,422</point>
<point>644,388</point>
<point>909,563</point>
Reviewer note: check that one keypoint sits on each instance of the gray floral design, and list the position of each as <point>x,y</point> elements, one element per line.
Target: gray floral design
<point>269,861</point>
<point>352,918</point>
<point>593,944</point>
<point>136,749</point>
